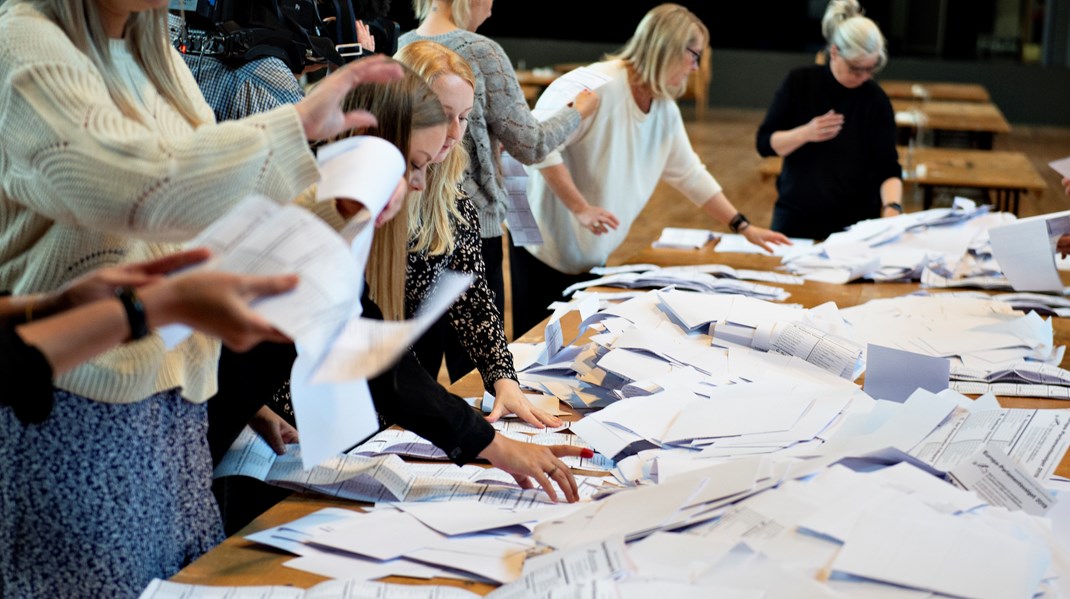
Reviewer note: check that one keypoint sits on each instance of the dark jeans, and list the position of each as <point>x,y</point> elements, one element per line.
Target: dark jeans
<point>535,286</point>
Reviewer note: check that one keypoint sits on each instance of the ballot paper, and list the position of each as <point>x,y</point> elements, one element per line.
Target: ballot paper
<point>364,168</point>
<point>1061,166</point>
<point>523,229</point>
<point>333,589</point>
<point>367,347</point>
<point>993,475</point>
<point>379,479</point>
<point>894,374</point>
<point>1026,251</point>
<point>942,553</point>
<point>565,88</point>
<point>1036,439</point>
<point>739,244</point>
<point>603,559</point>
<point>683,239</point>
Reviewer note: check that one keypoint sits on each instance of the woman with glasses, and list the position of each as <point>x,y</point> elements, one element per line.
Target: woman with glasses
<point>835,128</point>
<point>586,194</point>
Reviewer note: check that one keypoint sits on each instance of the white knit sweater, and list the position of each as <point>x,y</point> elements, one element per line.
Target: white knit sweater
<point>83,186</point>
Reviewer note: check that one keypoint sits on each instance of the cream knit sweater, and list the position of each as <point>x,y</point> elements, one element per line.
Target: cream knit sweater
<point>82,186</point>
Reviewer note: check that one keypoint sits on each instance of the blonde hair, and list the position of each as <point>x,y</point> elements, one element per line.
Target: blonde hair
<point>854,35</point>
<point>400,107</point>
<point>432,211</point>
<point>147,37</point>
<point>659,41</point>
<point>460,11</point>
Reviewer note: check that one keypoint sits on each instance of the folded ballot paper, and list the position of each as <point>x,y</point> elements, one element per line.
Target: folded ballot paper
<point>683,239</point>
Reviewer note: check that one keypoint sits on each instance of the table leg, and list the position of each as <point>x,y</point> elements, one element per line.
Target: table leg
<point>927,197</point>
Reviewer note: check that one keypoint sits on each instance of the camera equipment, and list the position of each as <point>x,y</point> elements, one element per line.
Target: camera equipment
<point>240,31</point>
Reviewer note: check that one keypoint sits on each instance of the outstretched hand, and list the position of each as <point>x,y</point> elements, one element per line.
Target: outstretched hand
<point>527,462</point>
<point>508,398</point>
<point>102,283</point>
<point>321,110</point>
<point>764,238</point>
<point>217,303</point>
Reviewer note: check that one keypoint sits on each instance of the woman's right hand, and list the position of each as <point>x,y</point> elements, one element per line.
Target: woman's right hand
<point>526,461</point>
<point>321,111</point>
<point>824,127</point>
<point>586,102</point>
<point>597,220</point>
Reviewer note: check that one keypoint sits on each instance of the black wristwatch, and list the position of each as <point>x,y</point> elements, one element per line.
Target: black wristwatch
<point>894,206</point>
<point>736,224</point>
<point>135,312</point>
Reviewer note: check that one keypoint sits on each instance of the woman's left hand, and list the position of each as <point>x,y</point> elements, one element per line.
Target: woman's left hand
<point>764,237</point>
<point>276,431</point>
<point>321,111</point>
<point>509,399</point>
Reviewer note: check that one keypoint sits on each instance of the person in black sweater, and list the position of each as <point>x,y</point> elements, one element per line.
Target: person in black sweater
<point>835,128</point>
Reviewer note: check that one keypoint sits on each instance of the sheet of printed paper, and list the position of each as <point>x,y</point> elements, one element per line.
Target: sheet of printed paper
<point>564,89</point>
<point>367,347</point>
<point>1001,481</point>
<point>523,229</point>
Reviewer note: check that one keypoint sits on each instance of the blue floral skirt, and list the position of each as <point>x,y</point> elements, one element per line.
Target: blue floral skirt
<point>101,498</point>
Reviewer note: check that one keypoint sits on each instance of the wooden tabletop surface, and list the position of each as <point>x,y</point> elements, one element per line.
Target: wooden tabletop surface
<point>978,117</point>
<point>935,90</point>
<point>956,167</point>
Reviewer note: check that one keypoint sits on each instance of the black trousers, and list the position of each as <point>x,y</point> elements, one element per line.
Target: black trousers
<point>441,340</point>
<point>535,286</point>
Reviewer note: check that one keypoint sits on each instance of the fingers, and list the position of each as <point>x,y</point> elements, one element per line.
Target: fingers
<point>267,286</point>
<point>498,411</point>
<point>374,69</point>
<point>544,418</point>
<point>274,439</point>
<point>523,411</point>
<point>359,119</point>
<point>173,262</point>
<point>566,481</point>
<point>544,482</point>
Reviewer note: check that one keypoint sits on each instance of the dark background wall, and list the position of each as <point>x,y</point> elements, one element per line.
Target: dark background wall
<point>756,43</point>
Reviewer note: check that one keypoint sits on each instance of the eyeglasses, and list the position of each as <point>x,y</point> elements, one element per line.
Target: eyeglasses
<point>860,71</point>
<point>695,55</point>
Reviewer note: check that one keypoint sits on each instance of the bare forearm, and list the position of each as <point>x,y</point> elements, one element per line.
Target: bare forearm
<point>720,209</point>
<point>561,183</point>
<point>786,142</point>
<point>892,191</point>
<point>76,335</point>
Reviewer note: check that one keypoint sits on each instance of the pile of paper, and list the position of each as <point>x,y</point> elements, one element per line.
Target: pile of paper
<point>945,245</point>
<point>709,278</point>
<point>683,239</point>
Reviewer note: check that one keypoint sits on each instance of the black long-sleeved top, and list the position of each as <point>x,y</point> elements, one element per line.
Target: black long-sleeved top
<point>474,316</point>
<point>27,377</point>
<point>827,186</point>
<point>404,395</point>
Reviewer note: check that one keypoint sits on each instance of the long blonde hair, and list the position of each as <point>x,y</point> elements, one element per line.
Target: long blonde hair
<point>147,37</point>
<point>659,41</point>
<point>432,211</point>
<point>400,107</point>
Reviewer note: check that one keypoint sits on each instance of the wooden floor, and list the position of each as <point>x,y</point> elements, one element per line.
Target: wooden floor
<point>725,142</point>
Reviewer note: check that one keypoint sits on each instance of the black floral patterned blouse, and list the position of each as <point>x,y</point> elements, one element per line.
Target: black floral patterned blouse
<point>474,317</point>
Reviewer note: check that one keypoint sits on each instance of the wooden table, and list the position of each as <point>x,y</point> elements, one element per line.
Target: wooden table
<point>1004,176</point>
<point>935,90</point>
<point>975,123</point>
<point>237,562</point>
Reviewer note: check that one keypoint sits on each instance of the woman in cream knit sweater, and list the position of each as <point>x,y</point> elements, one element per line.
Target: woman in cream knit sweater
<point>111,155</point>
